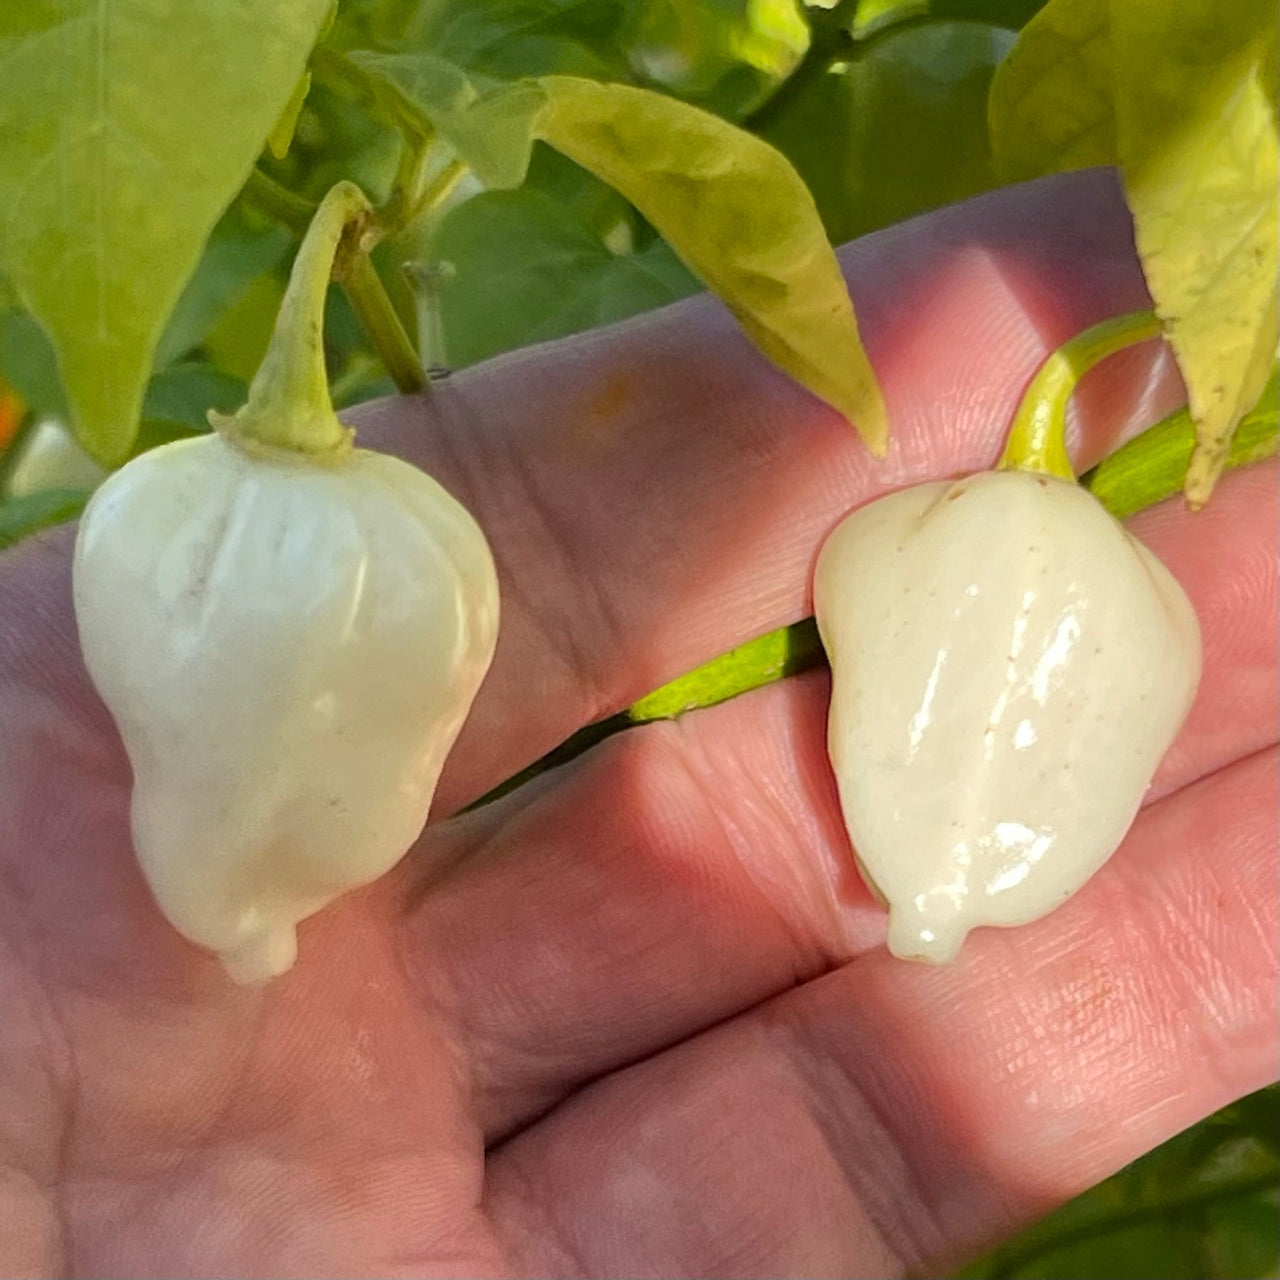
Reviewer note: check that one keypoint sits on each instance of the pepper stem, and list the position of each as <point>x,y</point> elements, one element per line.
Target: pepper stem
<point>289,406</point>
<point>1038,437</point>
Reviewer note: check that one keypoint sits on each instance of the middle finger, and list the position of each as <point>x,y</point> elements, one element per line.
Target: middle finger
<point>654,492</point>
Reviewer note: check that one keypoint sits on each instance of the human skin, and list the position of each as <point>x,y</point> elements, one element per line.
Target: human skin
<point>637,1018</point>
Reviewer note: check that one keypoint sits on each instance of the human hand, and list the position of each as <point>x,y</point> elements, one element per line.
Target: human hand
<point>636,1018</point>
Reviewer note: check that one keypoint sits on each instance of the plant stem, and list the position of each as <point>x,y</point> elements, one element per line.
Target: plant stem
<point>830,39</point>
<point>1153,465</point>
<point>363,286</point>
<point>357,275</point>
<point>289,406</point>
<point>278,203</point>
<point>1037,438</point>
<point>425,282</point>
<point>442,186</point>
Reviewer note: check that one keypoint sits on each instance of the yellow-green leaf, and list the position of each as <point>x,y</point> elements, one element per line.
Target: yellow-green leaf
<point>1198,150</point>
<point>126,127</point>
<point>740,217</point>
<point>1051,106</point>
<point>280,138</point>
<point>1182,97</point>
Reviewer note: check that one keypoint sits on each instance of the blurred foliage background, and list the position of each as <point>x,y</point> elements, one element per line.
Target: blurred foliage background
<point>881,106</point>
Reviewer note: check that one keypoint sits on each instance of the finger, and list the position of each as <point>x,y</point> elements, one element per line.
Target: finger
<point>680,873</point>
<point>655,492</point>
<point>890,1117</point>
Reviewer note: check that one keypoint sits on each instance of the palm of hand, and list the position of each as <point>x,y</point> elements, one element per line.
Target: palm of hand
<point>635,1018</point>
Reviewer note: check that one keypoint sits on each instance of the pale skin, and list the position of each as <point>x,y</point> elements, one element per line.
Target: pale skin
<point>637,1018</point>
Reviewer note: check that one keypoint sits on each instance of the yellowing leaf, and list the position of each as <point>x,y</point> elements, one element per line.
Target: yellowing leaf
<point>740,217</point>
<point>1051,104</point>
<point>1181,96</point>
<point>126,127</point>
<point>1198,150</point>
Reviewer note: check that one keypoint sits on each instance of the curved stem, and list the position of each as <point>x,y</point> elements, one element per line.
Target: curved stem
<point>357,275</point>
<point>289,406</point>
<point>269,198</point>
<point>1037,438</point>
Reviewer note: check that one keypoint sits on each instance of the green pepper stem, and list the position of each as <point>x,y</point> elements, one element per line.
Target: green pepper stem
<point>289,407</point>
<point>1038,437</point>
<point>357,275</point>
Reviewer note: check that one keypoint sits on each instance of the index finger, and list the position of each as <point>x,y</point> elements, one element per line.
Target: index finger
<point>655,492</point>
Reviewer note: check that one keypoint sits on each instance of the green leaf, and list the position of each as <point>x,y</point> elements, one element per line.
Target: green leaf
<point>1051,106</point>
<point>523,270</point>
<point>29,364</point>
<point>238,339</point>
<point>740,217</point>
<point>492,132</point>
<point>896,130</point>
<point>340,136</point>
<point>183,394</point>
<point>593,203</point>
<point>361,24</point>
<point>1203,1206</point>
<point>21,517</point>
<point>235,255</point>
<point>1012,14</point>
<point>512,38</point>
<point>721,54</point>
<point>126,127</point>
<point>1258,1116</point>
<point>1198,149</point>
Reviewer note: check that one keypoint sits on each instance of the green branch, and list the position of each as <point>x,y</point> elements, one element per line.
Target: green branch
<point>830,40</point>
<point>289,407</point>
<point>380,320</point>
